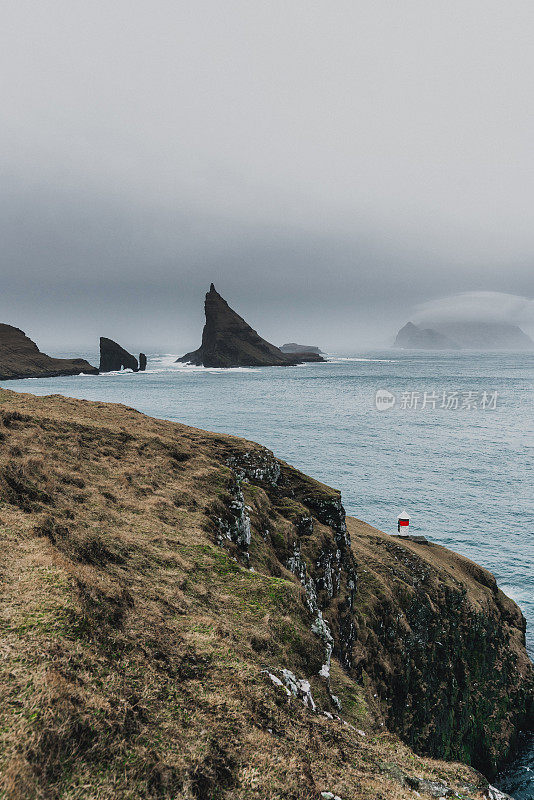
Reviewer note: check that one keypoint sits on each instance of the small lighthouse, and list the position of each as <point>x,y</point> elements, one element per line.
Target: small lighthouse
<point>403,522</point>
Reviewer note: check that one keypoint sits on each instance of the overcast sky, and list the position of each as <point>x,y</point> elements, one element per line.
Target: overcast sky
<point>329,165</point>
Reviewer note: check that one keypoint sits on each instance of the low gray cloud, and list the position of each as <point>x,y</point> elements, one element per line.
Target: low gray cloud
<point>328,167</point>
<point>479,306</point>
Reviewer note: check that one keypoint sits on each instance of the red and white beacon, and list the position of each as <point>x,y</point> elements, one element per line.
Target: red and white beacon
<point>403,522</point>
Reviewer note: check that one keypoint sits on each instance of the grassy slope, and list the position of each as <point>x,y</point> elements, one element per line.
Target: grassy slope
<point>133,644</point>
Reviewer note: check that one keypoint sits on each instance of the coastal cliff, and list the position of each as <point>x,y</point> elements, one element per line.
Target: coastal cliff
<point>21,358</point>
<point>185,615</point>
<point>229,341</point>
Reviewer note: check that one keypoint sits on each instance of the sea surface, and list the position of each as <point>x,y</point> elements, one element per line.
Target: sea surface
<point>458,460</point>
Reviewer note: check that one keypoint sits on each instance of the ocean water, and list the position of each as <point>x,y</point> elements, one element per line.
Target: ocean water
<point>455,450</point>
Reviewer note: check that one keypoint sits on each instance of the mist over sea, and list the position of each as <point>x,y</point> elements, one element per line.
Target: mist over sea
<point>461,465</point>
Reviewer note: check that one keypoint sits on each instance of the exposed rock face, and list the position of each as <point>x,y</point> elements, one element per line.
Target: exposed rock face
<point>412,337</point>
<point>142,362</point>
<point>21,358</point>
<point>228,341</point>
<point>293,347</point>
<point>113,357</point>
<point>420,640</point>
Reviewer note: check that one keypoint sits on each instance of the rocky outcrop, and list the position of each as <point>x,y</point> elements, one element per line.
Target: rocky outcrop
<point>142,362</point>
<point>21,358</point>
<point>113,357</point>
<point>228,341</point>
<point>293,347</point>
<point>412,337</point>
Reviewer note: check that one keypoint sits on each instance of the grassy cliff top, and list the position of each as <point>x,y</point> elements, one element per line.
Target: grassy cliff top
<point>155,584</point>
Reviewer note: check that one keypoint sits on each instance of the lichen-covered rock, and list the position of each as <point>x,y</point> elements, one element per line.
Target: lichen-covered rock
<point>256,466</point>
<point>234,523</point>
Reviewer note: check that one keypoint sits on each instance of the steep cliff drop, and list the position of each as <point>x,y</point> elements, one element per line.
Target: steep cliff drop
<point>185,615</point>
<point>21,358</point>
<point>113,357</point>
<point>228,341</point>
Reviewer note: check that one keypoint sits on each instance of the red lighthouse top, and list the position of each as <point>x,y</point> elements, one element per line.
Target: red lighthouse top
<point>404,520</point>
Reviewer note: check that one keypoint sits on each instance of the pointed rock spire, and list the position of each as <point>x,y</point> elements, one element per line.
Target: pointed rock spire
<point>229,341</point>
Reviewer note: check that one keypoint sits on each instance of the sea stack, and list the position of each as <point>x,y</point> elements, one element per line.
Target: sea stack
<point>113,357</point>
<point>21,358</point>
<point>229,341</point>
<point>142,362</point>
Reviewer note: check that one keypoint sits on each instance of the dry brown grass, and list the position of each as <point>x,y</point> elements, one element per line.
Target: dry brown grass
<point>133,645</point>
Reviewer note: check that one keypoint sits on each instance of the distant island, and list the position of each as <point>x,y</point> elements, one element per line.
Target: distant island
<point>229,341</point>
<point>471,334</point>
<point>21,358</point>
<point>412,337</point>
<point>293,347</point>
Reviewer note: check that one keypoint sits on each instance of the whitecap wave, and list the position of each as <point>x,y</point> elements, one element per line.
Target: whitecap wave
<point>340,359</point>
<point>167,363</point>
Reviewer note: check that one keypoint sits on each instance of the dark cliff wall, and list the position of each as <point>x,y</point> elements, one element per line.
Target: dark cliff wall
<point>445,650</point>
<point>439,646</point>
